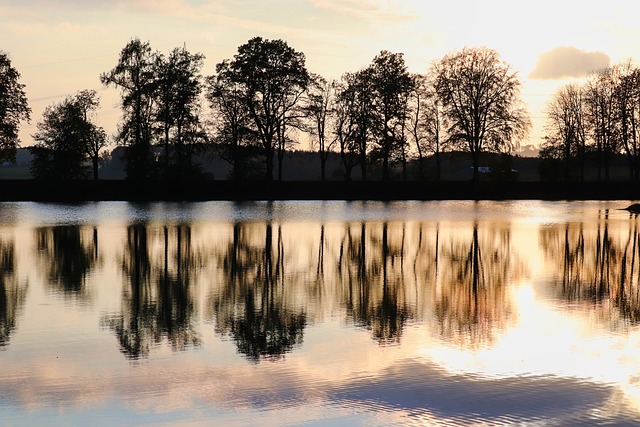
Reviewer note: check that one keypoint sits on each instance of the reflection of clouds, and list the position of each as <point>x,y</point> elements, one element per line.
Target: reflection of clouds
<point>426,391</point>
<point>413,390</point>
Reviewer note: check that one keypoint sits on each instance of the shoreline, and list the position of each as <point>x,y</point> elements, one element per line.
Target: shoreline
<point>120,190</point>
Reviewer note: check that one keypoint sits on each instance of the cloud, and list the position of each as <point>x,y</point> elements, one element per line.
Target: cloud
<point>566,61</point>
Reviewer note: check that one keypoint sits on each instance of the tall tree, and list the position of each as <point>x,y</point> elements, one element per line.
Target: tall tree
<point>480,96</point>
<point>319,109</point>
<point>134,75</point>
<point>67,138</point>
<point>627,102</point>
<point>234,138</point>
<point>273,77</point>
<point>600,93</point>
<point>177,101</point>
<point>345,128</point>
<point>434,126</point>
<point>566,127</point>
<point>356,94</point>
<point>94,138</point>
<point>14,108</point>
<point>390,85</point>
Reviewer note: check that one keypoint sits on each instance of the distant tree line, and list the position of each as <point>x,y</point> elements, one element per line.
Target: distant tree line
<point>592,123</point>
<point>264,101</point>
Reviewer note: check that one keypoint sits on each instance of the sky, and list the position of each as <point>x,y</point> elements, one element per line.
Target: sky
<point>62,46</point>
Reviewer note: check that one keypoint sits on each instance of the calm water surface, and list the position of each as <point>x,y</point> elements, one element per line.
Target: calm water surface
<point>320,313</point>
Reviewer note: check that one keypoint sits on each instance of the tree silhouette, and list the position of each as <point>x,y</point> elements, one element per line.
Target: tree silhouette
<point>14,108</point>
<point>426,122</point>
<point>601,106</point>
<point>272,77</point>
<point>480,99</point>
<point>134,75</point>
<point>319,109</point>
<point>67,138</point>
<point>346,128</point>
<point>627,99</point>
<point>177,104</point>
<point>566,123</point>
<point>391,85</point>
<point>235,140</point>
<point>356,119</point>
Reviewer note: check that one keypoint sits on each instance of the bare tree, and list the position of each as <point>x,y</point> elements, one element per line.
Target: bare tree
<point>345,128</point>
<point>319,109</point>
<point>425,122</point>
<point>480,96</point>
<point>627,103</point>
<point>600,101</point>
<point>566,126</point>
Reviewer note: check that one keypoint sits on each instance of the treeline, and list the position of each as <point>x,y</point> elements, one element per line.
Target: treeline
<point>592,123</point>
<point>263,101</point>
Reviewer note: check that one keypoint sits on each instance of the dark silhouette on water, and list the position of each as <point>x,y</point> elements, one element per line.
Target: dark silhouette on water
<point>599,271</point>
<point>473,301</point>
<point>634,208</point>
<point>371,264</point>
<point>69,254</point>
<point>253,306</point>
<point>158,301</point>
<point>12,294</point>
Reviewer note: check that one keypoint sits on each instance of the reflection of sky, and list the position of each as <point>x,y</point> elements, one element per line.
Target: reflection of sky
<point>548,362</point>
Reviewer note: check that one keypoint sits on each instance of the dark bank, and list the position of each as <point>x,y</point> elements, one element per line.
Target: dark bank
<point>117,190</point>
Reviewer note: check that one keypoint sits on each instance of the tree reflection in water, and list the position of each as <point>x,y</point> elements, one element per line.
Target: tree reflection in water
<point>12,294</point>
<point>371,266</point>
<point>382,274</point>
<point>272,282</point>
<point>68,254</point>
<point>157,298</point>
<point>252,306</point>
<point>472,302</point>
<point>598,268</point>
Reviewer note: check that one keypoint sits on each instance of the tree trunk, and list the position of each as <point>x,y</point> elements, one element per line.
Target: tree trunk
<point>363,162</point>
<point>94,161</point>
<point>323,166</point>
<point>269,165</point>
<point>475,158</point>
<point>385,167</point>
<point>280,162</point>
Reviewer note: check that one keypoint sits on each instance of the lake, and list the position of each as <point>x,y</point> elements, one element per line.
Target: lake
<point>319,313</point>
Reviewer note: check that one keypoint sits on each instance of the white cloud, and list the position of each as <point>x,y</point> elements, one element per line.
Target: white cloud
<point>566,61</point>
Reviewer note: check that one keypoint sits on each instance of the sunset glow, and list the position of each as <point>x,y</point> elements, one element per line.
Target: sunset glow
<point>62,46</point>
